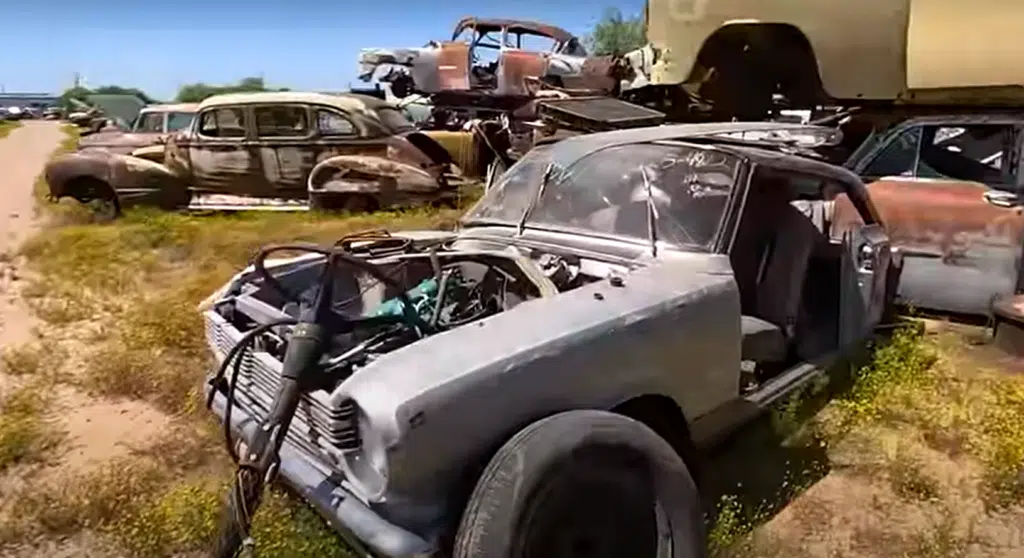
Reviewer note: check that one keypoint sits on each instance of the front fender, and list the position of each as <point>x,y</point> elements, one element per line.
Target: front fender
<point>672,329</point>
<point>370,175</point>
<point>60,171</point>
<point>133,180</point>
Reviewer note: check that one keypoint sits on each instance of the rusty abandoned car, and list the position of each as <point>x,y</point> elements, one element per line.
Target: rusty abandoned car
<point>487,59</point>
<point>622,299</point>
<point>341,151</point>
<point>948,188</point>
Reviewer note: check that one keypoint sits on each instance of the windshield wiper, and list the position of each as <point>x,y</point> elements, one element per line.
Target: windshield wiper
<point>652,214</point>
<point>540,192</point>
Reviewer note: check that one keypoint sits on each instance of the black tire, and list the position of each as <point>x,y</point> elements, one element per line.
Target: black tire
<point>349,203</point>
<point>583,483</point>
<point>99,197</point>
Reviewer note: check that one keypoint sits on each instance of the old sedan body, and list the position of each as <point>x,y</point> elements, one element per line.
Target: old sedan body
<point>346,151</point>
<point>673,275</point>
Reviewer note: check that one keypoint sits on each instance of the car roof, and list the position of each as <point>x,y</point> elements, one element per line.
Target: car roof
<point>574,148</point>
<point>577,147</point>
<point>171,107</point>
<point>348,102</point>
<point>980,117</point>
<point>553,31</point>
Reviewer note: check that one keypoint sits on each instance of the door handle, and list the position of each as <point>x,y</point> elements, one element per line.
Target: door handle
<point>1001,199</point>
<point>866,258</point>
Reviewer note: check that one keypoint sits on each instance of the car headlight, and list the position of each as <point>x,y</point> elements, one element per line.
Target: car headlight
<point>367,467</point>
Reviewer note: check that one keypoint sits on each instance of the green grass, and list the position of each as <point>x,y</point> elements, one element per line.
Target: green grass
<point>141,277</point>
<point>926,426</point>
<point>8,126</point>
<point>26,433</point>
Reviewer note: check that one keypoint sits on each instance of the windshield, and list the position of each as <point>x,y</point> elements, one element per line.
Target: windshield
<point>619,191</point>
<point>394,120</point>
<point>179,120</point>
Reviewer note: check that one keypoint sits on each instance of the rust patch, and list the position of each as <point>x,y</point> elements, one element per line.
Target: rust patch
<point>515,67</point>
<point>944,218</point>
<point>453,66</point>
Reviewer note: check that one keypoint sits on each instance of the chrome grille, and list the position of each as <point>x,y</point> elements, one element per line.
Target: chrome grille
<point>318,428</point>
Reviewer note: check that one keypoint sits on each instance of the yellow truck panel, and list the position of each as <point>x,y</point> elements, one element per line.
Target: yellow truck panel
<point>928,51</point>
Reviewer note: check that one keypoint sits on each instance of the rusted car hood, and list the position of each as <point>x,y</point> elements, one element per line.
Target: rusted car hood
<point>124,142</point>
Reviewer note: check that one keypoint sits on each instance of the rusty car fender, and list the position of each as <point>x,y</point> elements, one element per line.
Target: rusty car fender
<point>92,173</point>
<point>369,174</point>
<point>63,171</point>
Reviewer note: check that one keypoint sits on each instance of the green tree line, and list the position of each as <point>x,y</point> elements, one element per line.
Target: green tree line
<point>189,93</point>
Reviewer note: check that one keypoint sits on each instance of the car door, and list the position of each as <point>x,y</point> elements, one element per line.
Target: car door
<point>221,158</point>
<point>864,272</point>
<point>284,142</point>
<point>947,193</point>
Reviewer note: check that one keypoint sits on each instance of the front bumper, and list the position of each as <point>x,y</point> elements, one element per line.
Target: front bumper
<point>342,509</point>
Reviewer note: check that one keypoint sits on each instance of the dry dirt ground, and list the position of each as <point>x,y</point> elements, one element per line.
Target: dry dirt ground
<point>105,453</point>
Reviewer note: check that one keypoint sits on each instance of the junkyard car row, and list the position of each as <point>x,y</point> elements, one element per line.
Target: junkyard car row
<point>619,300</point>
<point>337,151</point>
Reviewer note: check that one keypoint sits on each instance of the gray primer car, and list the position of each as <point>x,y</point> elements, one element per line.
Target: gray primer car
<point>673,275</point>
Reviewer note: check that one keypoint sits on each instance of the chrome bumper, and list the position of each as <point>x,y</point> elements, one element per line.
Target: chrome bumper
<point>342,509</point>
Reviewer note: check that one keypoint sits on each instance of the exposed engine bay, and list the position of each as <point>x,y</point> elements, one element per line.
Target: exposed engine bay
<point>430,290</point>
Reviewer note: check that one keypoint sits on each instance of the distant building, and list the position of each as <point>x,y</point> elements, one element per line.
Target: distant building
<point>37,100</point>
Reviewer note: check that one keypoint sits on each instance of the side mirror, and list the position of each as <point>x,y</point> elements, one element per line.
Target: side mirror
<point>999,198</point>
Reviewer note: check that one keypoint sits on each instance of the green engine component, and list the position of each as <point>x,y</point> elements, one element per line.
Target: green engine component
<point>422,296</point>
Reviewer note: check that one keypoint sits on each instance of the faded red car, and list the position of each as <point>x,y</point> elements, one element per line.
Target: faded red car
<point>345,151</point>
<point>948,190</point>
<point>489,57</point>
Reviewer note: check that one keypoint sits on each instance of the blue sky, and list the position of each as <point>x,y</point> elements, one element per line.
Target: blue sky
<point>160,45</point>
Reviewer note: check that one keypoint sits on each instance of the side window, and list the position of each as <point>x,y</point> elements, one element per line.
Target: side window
<point>330,123</point>
<point>899,157</point>
<point>178,121</point>
<point>971,152</point>
<point>281,121</point>
<point>222,123</point>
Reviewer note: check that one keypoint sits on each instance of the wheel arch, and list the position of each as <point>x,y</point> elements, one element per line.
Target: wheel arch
<point>87,187</point>
<point>662,415</point>
<point>658,412</point>
<point>785,45</point>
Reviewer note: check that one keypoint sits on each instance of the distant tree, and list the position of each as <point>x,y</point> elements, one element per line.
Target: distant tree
<point>118,90</point>
<point>616,34</point>
<point>77,93</point>
<point>82,93</point>
<point>196,92</point>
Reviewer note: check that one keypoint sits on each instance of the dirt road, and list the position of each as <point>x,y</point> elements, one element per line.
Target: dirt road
<point>22,156</point>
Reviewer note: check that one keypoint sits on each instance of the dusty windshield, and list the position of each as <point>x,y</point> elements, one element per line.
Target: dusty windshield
<point>179,120</point>
<point>674,193</point>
